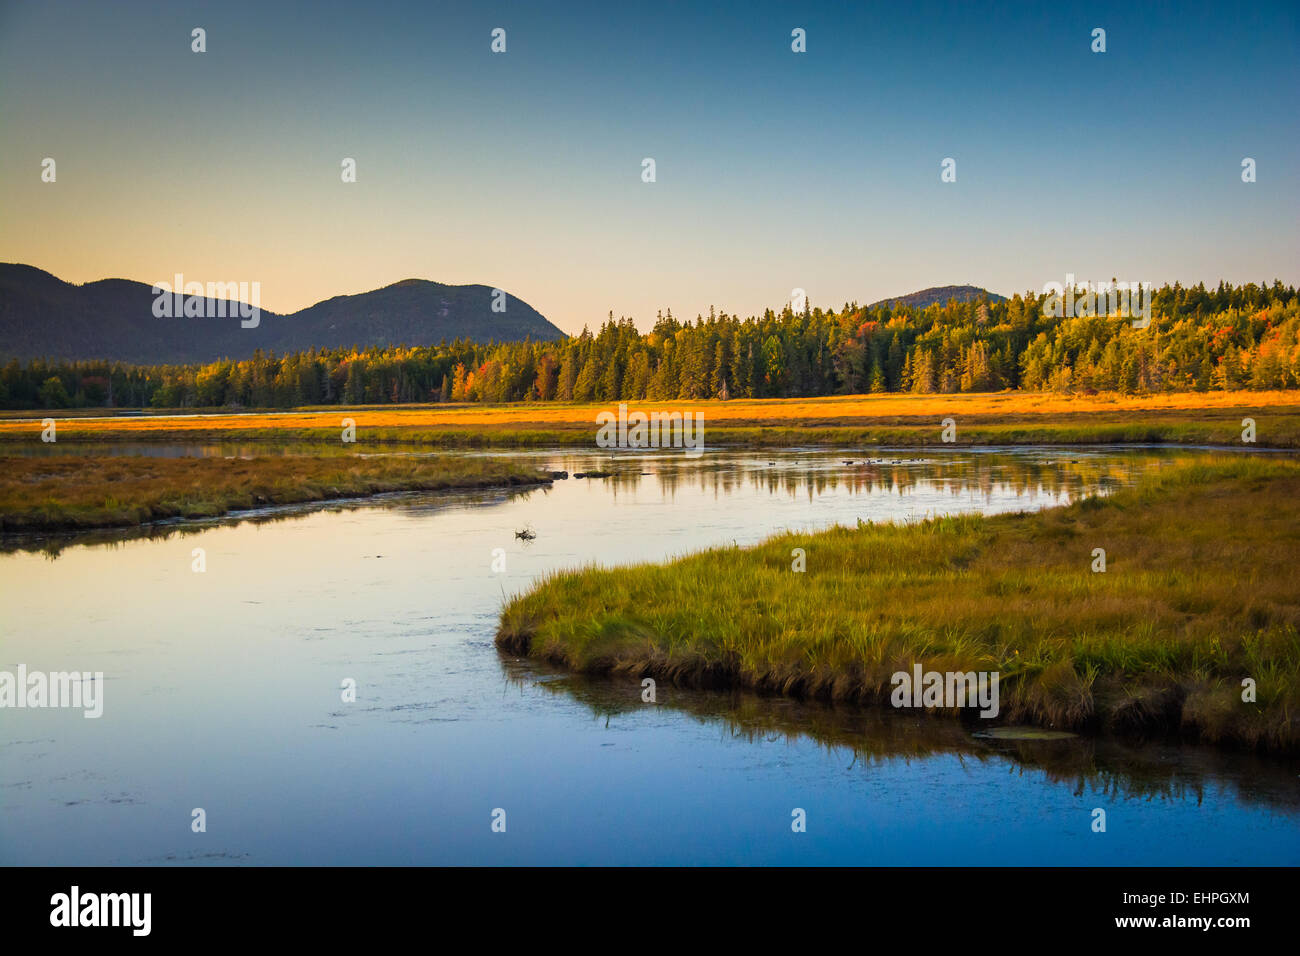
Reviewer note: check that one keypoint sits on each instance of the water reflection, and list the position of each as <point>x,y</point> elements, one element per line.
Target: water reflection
<point>867,737</point>
<point>979,477</point>
<point>53,544</point>
<point>812,474</point>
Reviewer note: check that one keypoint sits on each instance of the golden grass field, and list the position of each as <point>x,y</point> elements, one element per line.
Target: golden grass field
<point>985,418</point>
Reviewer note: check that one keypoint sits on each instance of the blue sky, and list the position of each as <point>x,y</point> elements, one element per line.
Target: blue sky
<point>775,170</point>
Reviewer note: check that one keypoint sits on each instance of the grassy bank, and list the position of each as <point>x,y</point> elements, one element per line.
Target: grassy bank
<point>1205,418</point>
<point>1199,592</point>
<point>69,493</point>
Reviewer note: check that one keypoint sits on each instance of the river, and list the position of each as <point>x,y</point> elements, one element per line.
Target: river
<point>222,691</point>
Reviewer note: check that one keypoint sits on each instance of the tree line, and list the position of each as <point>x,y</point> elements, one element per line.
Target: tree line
<point>1230,337</point>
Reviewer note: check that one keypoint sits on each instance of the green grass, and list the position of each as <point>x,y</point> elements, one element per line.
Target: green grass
<point>1200,592</point>
<point>72,493</point>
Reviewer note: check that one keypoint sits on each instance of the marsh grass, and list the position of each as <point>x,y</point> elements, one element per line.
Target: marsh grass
<point>1014,418</point>
<point>69,493</point>
<point>1200,592</point>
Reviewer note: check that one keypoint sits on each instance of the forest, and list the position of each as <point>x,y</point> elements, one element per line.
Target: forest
<point>1226,338</point>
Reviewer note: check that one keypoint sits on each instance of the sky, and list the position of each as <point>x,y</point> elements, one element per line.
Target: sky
<point>775,170</point>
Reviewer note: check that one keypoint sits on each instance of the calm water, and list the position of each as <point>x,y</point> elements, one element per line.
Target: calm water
<point>222,691</point>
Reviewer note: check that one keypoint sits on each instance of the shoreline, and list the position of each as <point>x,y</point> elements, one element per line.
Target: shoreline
<point>67,494</point>
<point>1158,646</point>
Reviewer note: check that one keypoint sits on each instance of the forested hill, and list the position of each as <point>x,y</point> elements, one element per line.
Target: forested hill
<point>1230,337</point>
<point>940,295</point>
<point>114,319</point>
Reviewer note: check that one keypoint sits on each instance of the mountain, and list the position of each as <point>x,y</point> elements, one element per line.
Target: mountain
<point>940,294</point>
<point>41,316</point>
